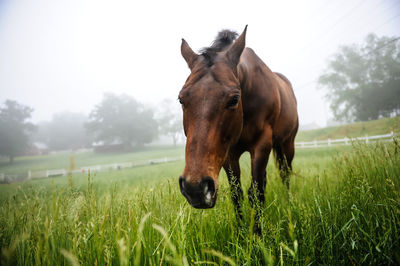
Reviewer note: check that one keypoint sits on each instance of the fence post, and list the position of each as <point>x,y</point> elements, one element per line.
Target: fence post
<point>315,143</point>
<point>302,144</point>
<point>29,174</point>
<point>366,138</point>
<point>329,142</point>
<point>346,141</point>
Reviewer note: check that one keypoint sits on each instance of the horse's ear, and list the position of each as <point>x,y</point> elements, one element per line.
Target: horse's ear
<point>235,51</point>
<point>188,54</point>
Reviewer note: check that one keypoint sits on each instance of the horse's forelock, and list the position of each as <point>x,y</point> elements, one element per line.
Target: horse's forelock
<point>223,40</point>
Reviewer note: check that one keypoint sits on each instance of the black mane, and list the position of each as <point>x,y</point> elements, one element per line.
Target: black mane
<point>223,40</point>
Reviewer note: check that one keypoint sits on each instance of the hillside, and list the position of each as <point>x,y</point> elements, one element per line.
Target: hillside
<point>375,127</point>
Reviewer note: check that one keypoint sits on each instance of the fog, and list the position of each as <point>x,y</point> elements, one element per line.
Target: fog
<point>64,55</point>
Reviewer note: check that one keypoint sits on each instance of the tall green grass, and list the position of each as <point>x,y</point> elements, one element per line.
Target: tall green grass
<point>343,209</point>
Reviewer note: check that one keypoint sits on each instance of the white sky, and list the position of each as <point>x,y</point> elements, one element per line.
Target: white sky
<point>63,55</point>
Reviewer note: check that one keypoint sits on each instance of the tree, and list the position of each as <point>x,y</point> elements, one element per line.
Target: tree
<point>169,118</point>
<point>363,81</point>
<point>123,120</point>
<point>65,131</point>
<point>14,129</point>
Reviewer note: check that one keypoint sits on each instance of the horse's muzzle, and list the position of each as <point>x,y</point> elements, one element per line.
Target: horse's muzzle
<point>201,195</point>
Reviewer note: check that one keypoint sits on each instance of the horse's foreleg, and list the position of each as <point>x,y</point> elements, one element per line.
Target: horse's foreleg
<point>284,157</point>
<point>259,161</point>
<point>232,169</point>
<point>259,177</point>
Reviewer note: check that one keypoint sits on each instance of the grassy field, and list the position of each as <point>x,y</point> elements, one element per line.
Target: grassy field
<point>371,128</point>
<point>343,208</point>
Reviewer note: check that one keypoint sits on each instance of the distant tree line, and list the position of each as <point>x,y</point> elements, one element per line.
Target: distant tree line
<point>117,119</point>
<point>363,81</point>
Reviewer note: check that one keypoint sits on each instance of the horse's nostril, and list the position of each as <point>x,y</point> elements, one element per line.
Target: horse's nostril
<point>208,189</point>
<point>205,190</point>
<point>208,186</point>
<point>182,183</point>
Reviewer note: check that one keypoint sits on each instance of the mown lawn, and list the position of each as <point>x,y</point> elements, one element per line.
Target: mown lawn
<point>359,129</point>
<point>343,208</point>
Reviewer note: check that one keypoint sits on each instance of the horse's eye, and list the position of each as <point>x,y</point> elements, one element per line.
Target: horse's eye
<point>233,101</point>
<point>180,101</point>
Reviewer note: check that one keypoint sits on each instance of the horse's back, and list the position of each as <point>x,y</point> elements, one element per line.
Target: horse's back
<point>287,123</point>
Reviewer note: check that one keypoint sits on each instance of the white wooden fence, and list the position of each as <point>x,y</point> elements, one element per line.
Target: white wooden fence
<point>6,178</point>
<point>343,141</point>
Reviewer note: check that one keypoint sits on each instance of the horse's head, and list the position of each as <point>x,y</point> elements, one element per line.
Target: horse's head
<point>212,117</point>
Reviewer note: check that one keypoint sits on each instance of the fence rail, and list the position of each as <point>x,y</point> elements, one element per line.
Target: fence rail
<point>343,141</point>
<point>9,178</point>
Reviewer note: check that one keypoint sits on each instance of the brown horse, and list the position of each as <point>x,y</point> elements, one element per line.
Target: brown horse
<point>232,103</point>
